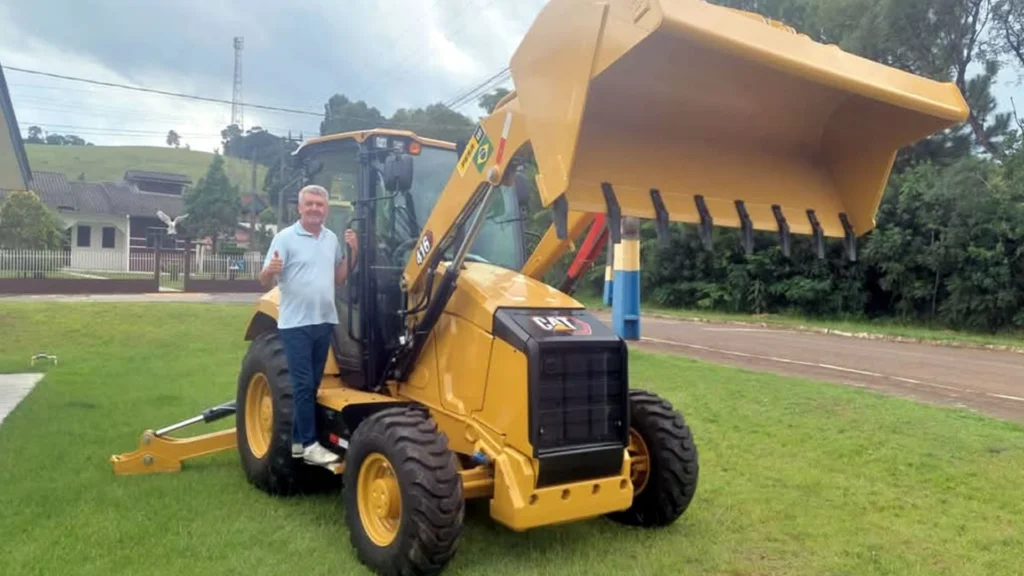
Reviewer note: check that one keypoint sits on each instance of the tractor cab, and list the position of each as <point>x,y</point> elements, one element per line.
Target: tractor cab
<point>383,184</point>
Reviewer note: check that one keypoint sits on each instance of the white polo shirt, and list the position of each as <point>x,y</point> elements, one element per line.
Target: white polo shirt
<point>307,277</point>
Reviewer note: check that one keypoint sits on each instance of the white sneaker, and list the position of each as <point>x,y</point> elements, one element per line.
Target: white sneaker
<point>296,450</point>
<point>318,455</point>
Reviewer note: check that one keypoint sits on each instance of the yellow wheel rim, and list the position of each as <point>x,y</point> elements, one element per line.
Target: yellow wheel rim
<point>640,461</point>
<point>380,500</point>
<point>259,415</point>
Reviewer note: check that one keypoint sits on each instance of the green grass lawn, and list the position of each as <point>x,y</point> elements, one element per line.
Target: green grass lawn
<point>888,327</point>
<point>111,162</point>
<point>797,477</point>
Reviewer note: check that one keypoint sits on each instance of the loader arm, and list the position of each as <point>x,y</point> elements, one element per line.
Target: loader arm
<point>551,247</point>
<point>483,164</point>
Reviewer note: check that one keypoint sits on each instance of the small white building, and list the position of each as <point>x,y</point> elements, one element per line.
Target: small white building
<point>107,223</point>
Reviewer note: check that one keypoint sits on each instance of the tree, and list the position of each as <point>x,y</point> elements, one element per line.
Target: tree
<point>35,135</point>
<point>344,115</point>
<point>26,223</point>
<point>173,139</point>
<point>434,121</point>
<point>1009,22</point>
<point>55,140</point>
<point>228,134</point>
<point>262,234</point>
<point>490,100</point>
<point>256,145</point>
<point>213,204</point>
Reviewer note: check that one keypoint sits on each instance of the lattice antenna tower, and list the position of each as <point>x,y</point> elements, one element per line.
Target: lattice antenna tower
<point>236,96</point>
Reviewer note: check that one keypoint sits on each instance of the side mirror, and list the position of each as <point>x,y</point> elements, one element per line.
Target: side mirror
<point>398,172</point>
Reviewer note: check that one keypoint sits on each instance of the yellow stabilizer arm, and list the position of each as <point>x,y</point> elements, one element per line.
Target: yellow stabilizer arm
<point>158,452</point>
<point>165,454</point>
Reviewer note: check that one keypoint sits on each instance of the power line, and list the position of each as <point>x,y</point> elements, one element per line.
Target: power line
<point>379,122</point>
<point>162,92</point>
<point>98,130</point>
<point>473,92</point>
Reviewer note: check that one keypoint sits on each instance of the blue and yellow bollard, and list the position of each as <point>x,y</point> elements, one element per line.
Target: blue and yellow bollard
<point>626,282</point>
<point>608,283</point>
<point>609,278</point>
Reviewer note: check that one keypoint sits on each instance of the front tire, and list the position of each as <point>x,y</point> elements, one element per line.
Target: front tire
<point>665,467</point>
<point>263,423</point>
<point>403,495</point>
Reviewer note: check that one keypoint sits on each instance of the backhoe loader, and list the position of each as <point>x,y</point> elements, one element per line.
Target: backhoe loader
<point>455,373</point>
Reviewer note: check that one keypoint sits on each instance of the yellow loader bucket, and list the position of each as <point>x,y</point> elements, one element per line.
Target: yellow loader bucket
<point>684,111</point>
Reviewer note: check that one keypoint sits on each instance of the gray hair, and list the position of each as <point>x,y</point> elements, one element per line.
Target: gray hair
<point>314,189</point>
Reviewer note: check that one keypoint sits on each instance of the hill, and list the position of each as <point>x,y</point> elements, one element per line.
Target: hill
<point>111,162</point>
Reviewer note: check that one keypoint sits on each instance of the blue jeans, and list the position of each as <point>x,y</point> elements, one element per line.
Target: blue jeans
<point>306,348</point>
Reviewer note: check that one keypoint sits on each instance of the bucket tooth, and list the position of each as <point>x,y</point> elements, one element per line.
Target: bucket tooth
<point>819,237</point>
<point>662,218</point>
<point>780,218</point>
<point>614,213</point>
<point>706,222</point>
<point>850,237</point>
<point>746,227</point>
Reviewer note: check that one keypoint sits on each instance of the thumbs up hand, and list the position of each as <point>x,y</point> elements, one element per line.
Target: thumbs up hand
<point>276,265</point>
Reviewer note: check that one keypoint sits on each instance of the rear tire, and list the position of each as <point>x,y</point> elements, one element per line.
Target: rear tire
<point>403,495</point>
<point>267,454</point>
<point>665,490</point>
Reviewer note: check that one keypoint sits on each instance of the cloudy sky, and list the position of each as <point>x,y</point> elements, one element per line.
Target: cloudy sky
<point>391,53</point>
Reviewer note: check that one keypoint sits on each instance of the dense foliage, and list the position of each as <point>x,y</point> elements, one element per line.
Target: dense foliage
<point>26,223</point>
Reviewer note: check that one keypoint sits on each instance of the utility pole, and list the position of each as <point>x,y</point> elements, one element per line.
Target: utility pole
<point>236,95</point>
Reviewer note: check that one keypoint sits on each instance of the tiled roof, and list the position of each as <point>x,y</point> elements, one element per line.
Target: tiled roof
<point>114,198</point>
<point>157,176</point>
<point>127,199</point>
<point>91,198</point>
<point>52,188</point>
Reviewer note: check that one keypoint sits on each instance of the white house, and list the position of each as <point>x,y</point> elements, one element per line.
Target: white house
<point>107,222</point>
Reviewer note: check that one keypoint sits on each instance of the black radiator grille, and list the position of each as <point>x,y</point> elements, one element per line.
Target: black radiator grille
<point>579,396</point>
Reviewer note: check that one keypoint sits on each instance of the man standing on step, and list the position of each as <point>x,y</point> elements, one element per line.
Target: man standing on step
<point>308,262</point>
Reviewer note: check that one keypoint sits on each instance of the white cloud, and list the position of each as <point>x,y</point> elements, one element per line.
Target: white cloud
<point>391,53</point>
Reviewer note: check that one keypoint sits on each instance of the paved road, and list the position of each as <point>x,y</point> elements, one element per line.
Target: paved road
<point>984,380</point>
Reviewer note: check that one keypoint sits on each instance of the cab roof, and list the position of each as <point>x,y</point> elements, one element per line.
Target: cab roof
<point>362,135</point>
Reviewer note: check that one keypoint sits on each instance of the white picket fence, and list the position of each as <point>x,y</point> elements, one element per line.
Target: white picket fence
<point>81,263</point>
<point>222,266</point>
